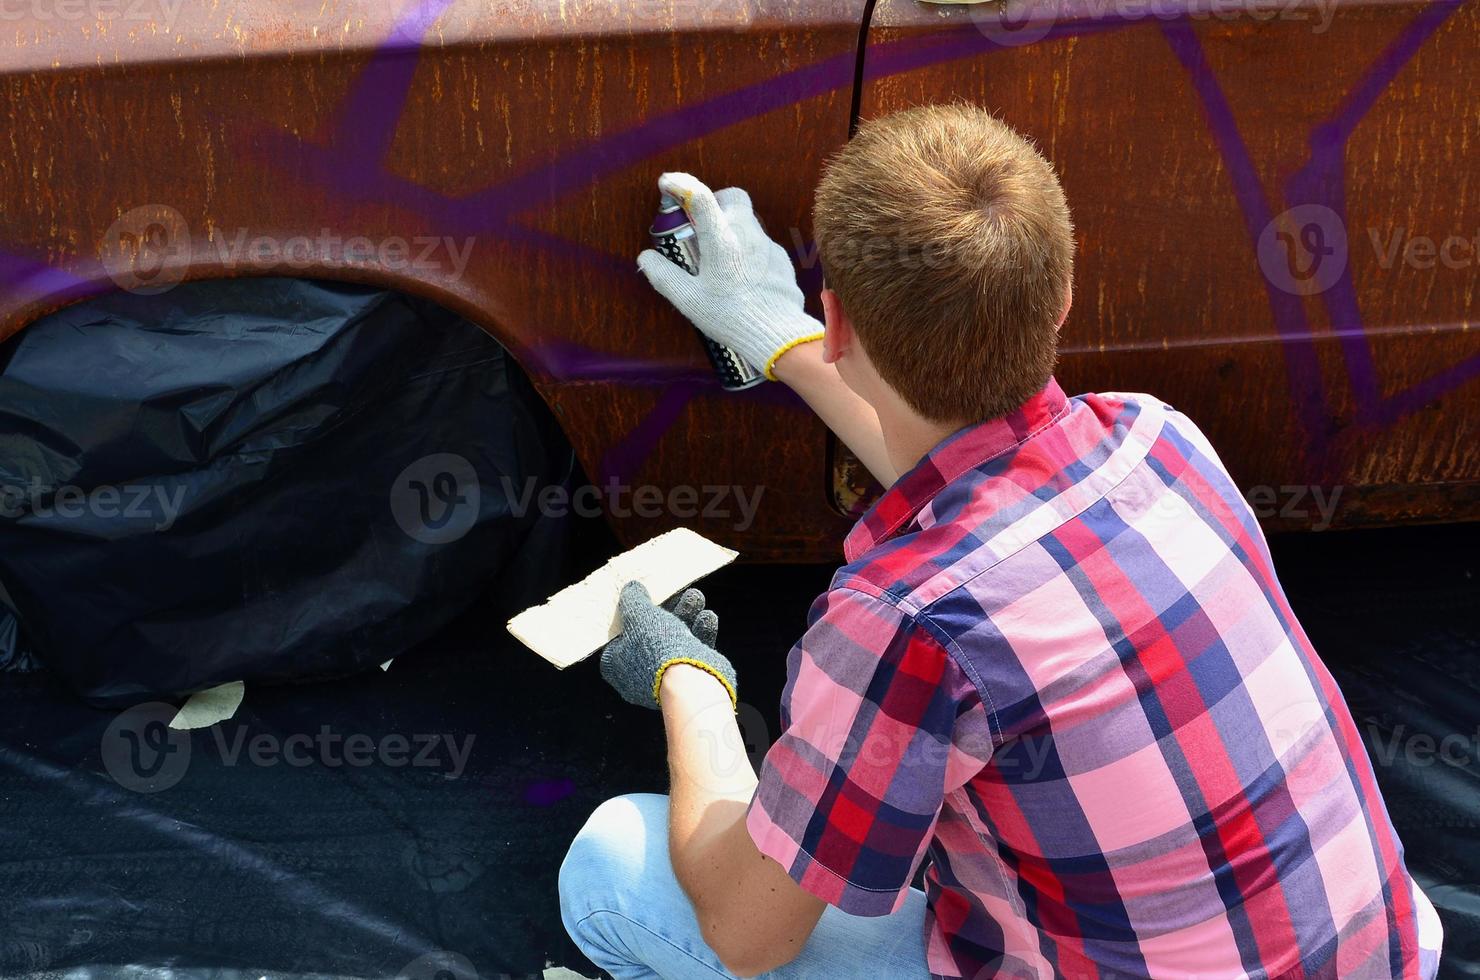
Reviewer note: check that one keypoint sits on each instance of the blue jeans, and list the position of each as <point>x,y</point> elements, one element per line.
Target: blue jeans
<point>624,908</point>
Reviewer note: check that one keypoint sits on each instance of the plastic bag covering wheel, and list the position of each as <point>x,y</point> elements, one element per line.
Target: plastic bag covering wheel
<point>261,480</point>
<point>15,657</point>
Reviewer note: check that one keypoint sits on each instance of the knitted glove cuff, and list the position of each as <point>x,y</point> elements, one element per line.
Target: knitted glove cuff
<point>721,672</point>
<point>773,334</point>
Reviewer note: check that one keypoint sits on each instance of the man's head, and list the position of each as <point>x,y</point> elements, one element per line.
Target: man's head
<point>948,249</point>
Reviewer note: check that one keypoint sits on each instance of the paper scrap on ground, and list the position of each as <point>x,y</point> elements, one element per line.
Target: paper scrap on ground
<point>387,664</point>
<point>205,708</point>
<point>580,619</point>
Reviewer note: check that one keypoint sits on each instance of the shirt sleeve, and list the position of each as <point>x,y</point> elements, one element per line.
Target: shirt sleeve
<point>850,794</point>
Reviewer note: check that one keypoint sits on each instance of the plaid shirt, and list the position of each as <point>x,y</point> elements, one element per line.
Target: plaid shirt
<point>1059,664</point>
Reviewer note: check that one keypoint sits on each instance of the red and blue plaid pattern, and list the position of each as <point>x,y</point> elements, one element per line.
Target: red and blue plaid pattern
<point>1059,664</point>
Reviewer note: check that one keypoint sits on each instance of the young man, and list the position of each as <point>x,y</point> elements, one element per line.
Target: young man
<point>1058,663</point>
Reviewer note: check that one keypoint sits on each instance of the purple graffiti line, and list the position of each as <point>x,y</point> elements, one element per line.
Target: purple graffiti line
<point>348,162</point>
<point>350,167</point>
<point>1302,366</point>
<point>361,130</point>
<point>1322,181</point>
<point>624,460</point>
<point>574,362</point>
<point>41,282</point>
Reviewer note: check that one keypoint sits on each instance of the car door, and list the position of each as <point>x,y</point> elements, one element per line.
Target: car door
<point>1277,216</point>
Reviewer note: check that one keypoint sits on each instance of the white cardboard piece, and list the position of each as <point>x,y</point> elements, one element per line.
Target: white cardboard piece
<point>582,618</point>
<point>205,708</point>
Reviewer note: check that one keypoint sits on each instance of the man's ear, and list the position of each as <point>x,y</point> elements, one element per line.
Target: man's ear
<point>1068,302</point>
<point>837,329</point>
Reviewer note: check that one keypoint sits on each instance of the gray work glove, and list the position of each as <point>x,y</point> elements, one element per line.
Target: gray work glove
<point>654,638</point>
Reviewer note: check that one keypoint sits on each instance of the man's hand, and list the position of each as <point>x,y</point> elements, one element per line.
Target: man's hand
<point>655,638</point>
<point>745,295</point>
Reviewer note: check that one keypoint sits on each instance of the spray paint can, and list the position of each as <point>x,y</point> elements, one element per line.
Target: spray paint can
<point>674,238</point>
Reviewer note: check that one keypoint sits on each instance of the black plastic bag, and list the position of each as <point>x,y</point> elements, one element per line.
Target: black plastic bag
<point>15,654</point>
<point>258,479</point>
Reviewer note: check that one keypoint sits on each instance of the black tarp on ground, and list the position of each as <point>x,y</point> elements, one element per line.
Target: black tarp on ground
<point>263,479</point>
<point>289,872</point>
<point>1396,615</point>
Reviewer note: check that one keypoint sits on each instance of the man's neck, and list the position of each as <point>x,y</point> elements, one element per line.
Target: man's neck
<point>908,437</point>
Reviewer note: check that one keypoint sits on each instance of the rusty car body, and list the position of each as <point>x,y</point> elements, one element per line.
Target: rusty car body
<point>1276,204</point>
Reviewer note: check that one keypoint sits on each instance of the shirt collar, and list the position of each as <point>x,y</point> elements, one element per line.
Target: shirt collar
<point>959,452</point>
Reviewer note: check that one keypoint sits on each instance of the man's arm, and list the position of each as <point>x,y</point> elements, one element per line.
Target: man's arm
<point>849,417</point>
<point>750,912</point>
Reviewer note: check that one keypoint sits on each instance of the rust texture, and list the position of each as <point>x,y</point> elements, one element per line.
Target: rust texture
<point>500,158</point>
<point>534,130</point>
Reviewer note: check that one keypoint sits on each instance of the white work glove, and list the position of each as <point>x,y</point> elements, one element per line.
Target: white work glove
<point>745,295</point>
